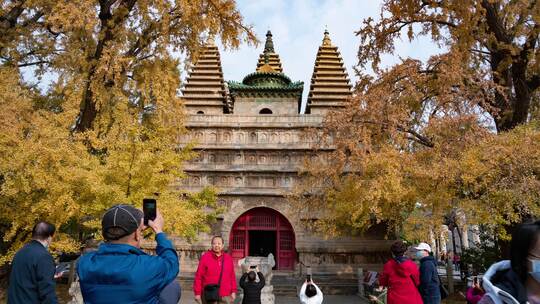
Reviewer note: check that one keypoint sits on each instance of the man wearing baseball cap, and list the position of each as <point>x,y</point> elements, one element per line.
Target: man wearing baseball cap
<point>120,272</point>
<point>429,277</point>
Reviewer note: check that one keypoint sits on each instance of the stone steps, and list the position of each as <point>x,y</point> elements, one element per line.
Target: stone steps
<point>285,291</point>
<point>289,284</point>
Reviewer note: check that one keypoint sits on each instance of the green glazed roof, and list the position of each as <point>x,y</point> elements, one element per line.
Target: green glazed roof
<point>266,81</point>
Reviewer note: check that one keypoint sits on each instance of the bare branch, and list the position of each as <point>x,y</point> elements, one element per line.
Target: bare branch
<point>424,140</point>
<point>9,20</point>
<point>418,137</point>
<point>33,63</point>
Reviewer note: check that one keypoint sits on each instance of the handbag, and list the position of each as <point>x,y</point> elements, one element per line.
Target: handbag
<point>211,291</point>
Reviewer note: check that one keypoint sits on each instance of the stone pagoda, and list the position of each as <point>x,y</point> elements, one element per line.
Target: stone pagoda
<point>251,140</point>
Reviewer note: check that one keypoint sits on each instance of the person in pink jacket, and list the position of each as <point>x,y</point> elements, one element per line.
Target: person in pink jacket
<point>401,276</point>
<point>208,272</point>
<point>475,292</point>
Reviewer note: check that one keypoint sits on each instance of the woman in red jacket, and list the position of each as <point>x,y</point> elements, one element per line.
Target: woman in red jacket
<point>209,271</point>
<point>401,276</point>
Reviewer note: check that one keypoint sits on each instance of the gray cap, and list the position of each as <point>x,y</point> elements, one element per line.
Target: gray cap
<point>120,220</point>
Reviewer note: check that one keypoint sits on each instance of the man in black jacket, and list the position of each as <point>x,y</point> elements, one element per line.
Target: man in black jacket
<point>252,289</point>
<point>32,271</point>
<point>429,277</point>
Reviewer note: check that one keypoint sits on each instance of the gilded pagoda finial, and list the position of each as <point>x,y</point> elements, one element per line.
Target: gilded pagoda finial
<point>269,44</point>
<point>326,40</point>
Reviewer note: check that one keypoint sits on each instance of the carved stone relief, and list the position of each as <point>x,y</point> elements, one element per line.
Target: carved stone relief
<point>287,159</point>
<point>269,182</point>
<point>253,137</point>
<point>266,181</point>
<point>287,137</point>
<point>240,137</point>
<point>238,159</point>
<point>224,157</point>
<point>284,136</point>
<point>274,138</point>
<point>253,181</point>
<point>252,159</point>
<point>212,138</point>
<point>287,182</point>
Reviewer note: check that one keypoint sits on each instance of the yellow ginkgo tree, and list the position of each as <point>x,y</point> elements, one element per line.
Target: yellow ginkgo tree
<point>456,133</point>
<point>98,120</point>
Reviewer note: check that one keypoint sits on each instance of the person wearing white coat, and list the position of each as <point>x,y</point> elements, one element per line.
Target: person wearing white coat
<point>516,281</point>
<point>310,293</point>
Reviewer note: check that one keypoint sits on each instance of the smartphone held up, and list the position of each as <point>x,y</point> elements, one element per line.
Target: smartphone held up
<point>149,210</point>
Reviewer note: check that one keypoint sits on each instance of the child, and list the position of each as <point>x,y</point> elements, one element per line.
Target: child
<point>475,292</point>
<point>252,289</point>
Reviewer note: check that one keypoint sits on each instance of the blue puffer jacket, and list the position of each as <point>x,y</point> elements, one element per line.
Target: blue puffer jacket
<point>120,273</point>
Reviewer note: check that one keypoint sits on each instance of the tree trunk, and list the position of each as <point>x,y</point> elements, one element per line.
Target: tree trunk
<point>109,24</point>
<point>509,71</point>
<point>460,238</point>
<point>88,110</point>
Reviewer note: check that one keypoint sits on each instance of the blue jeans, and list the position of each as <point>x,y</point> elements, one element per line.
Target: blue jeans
<point>171,293</point>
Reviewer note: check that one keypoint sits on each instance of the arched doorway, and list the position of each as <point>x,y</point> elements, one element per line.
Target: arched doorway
<point>261,231</point>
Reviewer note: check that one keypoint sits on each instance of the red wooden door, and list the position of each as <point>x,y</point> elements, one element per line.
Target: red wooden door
<point>264,219</point>
<point>286,254</point>
<point>238,244</point>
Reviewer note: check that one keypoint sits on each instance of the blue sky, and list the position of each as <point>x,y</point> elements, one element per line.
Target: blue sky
<point>297,27</point>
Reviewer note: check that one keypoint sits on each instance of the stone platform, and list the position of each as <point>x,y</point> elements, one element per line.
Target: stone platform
<point>336,289</point>
<point>187,298</point>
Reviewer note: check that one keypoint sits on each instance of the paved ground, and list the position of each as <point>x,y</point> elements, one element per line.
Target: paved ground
<point>327,299</point>
<point>188,299</point>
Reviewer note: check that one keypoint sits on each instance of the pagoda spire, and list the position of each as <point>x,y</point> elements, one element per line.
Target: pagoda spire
<point>330,86</point>
<point>211,40</point>
<point>326,39</point>
<point>269,57</point>
<point>204,89</point>
<point>269,44</point>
